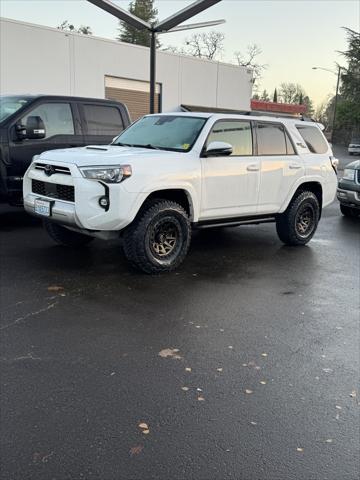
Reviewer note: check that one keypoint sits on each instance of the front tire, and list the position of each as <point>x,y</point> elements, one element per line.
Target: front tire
<point>297,225</point>
<point>64,236</point>
<point>159,238</point>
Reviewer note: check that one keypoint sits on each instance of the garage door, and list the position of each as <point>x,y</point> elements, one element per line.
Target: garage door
<point>135,94</point>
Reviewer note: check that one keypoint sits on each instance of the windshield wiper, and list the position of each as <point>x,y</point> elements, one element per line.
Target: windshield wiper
<point>149,145</point>
<point>119,144</point>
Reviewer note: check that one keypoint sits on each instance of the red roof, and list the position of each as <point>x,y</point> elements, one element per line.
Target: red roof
<point>277,107</point>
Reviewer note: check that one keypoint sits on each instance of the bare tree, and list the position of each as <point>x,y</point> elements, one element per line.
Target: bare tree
<point>69,27</point>
<point>249,59</point>
<point>205,45</point>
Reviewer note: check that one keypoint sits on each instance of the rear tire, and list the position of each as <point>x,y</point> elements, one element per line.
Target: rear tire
<point>349,211</point>
<point>297,225</point>
<point>64,236</point>
<point>159,238</point>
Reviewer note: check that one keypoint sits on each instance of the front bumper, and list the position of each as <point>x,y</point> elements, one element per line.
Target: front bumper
<point>348,198</point>
<point>61,212</point>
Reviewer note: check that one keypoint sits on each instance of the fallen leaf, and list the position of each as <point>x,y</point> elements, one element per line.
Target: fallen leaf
<point>136,450</point>
<point>146,432</point>
<point>143,425</point>
<point>253,423</point>
<point>221,329</point>
<point>201,398</point>
<point>248,391</point>
<point>185,389</point>
<point>170,352</point>
<point>353,394</point>
<point>230,347</point>
<point>264,354</point>
<point>55,288</point>
<point>329,440</point>
<point>327,370</point>
<point>219,369</point>
<point>337,416</point>
<point>338,407</point>
<point>257,367</point>
<point>112,373</point>
<point>197,326</point>
<point>262,382</point>
<point>299,449</point>
<point>187,369</point>
<point>199,389</point>
<point>244,364</point>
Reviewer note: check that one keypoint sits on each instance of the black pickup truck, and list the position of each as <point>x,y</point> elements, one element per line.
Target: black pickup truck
<point>32,124</point>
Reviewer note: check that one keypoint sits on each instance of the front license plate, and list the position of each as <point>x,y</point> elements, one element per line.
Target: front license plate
<point>42,207</point>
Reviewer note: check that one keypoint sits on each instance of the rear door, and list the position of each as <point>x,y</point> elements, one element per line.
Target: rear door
<point>101,122</point>
<point>62,128</point>
<point>280,165</point>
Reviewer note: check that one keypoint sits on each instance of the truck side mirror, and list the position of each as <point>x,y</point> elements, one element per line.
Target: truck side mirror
<point>34,128</point>
<point>218,149</point>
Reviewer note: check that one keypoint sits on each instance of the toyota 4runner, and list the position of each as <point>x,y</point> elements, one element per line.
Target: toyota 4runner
<point>169,173</point>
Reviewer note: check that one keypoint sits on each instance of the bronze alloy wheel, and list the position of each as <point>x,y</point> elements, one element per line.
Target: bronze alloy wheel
<point>304,220</point>
<point>164,238</point>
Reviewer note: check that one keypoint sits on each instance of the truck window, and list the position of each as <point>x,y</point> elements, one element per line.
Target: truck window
<point>57,118</point>
<point>103,120</point>
<point>313,138</point>
<point>237,133</point>
<point>271,139</point>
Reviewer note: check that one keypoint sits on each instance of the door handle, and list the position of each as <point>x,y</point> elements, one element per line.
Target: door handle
<point>253,167</point>
<point>294,166</point>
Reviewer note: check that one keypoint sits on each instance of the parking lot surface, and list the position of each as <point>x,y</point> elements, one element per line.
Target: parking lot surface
<point>243,364</point>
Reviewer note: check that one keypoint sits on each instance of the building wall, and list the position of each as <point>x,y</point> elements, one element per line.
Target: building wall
<point>37,59</point>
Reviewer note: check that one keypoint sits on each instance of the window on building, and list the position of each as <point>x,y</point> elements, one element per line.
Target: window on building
<point>313,138</point>
<point>103,120</point>
<point>271,139</point>
<point>57,118</point>
<point>237,133</point>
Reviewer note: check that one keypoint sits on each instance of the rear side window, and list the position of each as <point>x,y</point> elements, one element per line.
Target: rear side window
<point>313,138</point>
<point>271,139</point>
<point>103,120</point>
<point>57,118</point>
<point>237,133</point>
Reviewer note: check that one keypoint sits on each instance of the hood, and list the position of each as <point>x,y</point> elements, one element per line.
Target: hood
<point>354,165</point>
<point>103,155</point>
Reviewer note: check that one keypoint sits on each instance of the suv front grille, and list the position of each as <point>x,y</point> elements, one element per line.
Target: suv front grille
<point>54,190</point>
<point>53,168</point>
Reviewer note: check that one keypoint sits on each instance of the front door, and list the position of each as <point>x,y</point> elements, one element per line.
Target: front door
<point>230,184</point>
<point>60,132</point>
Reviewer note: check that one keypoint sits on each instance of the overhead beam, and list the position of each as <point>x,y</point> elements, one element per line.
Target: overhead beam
<point>190,26</point>
<point>184,14</point>
<point>121,14</point>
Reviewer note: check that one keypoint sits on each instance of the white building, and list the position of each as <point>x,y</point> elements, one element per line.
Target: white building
<point>38,59</point>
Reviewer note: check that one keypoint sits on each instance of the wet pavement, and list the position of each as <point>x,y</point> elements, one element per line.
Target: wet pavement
<point>243,364</point>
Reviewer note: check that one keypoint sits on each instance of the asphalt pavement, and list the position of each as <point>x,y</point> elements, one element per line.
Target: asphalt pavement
<point>243,364</point>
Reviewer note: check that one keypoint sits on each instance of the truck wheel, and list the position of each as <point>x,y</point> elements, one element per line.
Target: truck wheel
<point>348,211</point>
<point>66,237</point>
<point>297,225</point>
<point>159,237</point>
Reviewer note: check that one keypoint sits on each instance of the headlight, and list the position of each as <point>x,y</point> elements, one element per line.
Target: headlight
<point>111,174</point>
<point>349,174</point>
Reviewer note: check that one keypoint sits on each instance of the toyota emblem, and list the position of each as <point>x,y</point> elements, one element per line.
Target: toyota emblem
<point>49,170</point>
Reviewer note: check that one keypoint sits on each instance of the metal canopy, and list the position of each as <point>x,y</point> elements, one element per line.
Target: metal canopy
<point>121,14</point>
<point>170,24</point>
<point>184,14</point>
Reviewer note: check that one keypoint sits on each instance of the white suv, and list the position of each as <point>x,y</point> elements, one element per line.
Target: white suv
<point>169,173</point>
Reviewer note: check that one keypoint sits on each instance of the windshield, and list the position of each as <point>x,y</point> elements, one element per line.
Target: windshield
<point>164,132</point>
<point>10,105</point>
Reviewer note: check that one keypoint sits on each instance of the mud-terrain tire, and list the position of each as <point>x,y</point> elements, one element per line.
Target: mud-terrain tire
<point>64,236</point>
<point>159,238</point>
<point>297,225</point>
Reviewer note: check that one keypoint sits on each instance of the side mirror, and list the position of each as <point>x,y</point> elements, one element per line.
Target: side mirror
<point>34,129</point>
<point>218,149</point>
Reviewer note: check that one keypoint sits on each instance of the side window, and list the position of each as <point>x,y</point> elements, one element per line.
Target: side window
<point>271,139</point>
<point>57,118</point>
<point>313,138</point>
<point>237,133</point>
<point>103,120</point>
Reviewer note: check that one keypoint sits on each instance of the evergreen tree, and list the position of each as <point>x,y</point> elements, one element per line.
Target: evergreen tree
<point>275,99</point>
<point>145,10</point>
<point>265,96</point>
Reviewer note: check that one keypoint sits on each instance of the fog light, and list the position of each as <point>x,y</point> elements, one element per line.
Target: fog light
<point>104,202</point>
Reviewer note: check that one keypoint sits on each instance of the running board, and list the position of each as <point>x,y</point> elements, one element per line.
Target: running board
<point>233,222</point>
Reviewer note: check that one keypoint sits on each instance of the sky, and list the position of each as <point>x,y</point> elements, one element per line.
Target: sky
<point>294,35</point>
